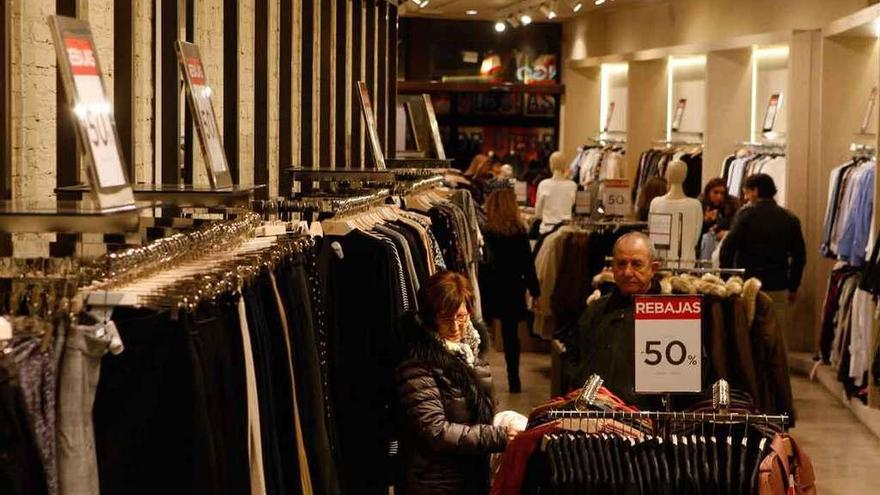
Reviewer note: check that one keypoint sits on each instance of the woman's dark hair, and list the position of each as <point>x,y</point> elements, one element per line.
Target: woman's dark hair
<point>654,187</point>
<point>441,296</point>
<point>763,183</point>
<point>712,184</point>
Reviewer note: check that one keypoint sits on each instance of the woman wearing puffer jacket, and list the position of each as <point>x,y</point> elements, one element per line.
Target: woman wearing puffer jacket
<point>445,392</point>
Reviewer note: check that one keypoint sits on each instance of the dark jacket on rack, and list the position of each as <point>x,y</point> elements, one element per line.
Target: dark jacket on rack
<point>447,411</point>
<point>766,240</point>
<point>505,276</point>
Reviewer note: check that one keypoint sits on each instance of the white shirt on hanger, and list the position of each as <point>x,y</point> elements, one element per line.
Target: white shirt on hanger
<point>554,202</point>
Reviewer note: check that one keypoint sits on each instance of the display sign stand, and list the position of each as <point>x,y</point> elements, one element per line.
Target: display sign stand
<point>221,192</point>
<point>375,145</point>
<point>668,345</point>
<point>111,207</point>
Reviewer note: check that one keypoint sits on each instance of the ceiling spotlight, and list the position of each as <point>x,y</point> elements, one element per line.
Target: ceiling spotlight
<point>471,12</point>
<point>512,20</point>
<point>525,19</point>
<point>599,2</point>
<point>577,7</point>
<point>548,10</point>
<point>500,27</point>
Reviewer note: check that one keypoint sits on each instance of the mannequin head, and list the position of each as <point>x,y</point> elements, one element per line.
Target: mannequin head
<point>676,172</point>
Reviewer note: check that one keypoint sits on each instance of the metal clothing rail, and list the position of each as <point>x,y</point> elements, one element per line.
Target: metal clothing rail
<point>339,204</point>
<point>693,417</point>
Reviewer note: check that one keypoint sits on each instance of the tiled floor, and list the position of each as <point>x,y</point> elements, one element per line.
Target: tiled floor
<point>846,456</point>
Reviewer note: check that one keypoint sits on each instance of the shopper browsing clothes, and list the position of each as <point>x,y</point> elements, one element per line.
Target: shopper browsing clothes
<point>506,274</point>
<point>603,342</point>
<point>719,207</point>
<point>766,240</point>
<point>445,392</point>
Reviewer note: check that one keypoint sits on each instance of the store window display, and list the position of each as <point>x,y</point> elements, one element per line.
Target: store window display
<point>677,218</point>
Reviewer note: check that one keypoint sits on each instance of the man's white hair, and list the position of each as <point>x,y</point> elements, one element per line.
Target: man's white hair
<point>632,236</point>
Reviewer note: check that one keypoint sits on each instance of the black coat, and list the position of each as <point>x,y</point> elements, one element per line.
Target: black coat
<point>507,272</point>
<point>766,240</point>
<point>446,415</point>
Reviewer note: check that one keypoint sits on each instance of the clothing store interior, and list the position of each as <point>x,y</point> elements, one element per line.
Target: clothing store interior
<point>431,247</point>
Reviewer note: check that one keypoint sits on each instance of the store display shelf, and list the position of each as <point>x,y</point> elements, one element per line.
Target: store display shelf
<point>802,363</point>
<point>414,87</point>
<point>478,120</point>
<point>182,196</point>
<point>69,217</point>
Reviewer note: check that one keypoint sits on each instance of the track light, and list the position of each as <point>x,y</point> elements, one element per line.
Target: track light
<point>549,10</point>
<point>525,19</point>
<point>599,2</point>
<point>421,3</point>
<point>500,27</point>
<point>512,20</point>
<point>577,7</point>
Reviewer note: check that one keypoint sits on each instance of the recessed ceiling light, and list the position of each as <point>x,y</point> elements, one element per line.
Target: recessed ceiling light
<point>471,12</point>
<point>500,26</point>
<point>599,2</point>
<point>577,6</point>
<point>525,19</point>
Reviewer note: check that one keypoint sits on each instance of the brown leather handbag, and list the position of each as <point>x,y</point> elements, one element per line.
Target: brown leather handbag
<point>787,470</point>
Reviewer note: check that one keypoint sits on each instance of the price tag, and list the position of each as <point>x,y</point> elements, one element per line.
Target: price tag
<point>615,197</point>
<point>668,344</point>
<point>521,189</point>
<point>660,229</point>
<point>204,117</point>
<point>583,202</point>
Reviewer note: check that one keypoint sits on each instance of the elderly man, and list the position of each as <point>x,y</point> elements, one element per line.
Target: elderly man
<point>604,340</point>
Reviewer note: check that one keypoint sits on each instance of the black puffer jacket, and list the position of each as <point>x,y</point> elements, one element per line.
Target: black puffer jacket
<point>447,433</point>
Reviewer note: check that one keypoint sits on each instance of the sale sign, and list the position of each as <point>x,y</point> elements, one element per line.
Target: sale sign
<point>615,197</point>
<point>205,119</point>
<point>93,111</point>
<point>668,344</point>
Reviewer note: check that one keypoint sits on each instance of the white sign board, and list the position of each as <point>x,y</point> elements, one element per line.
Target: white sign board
<point>93,111</point>
<point>521,189</point>
<point>660,229</point>
<point>583,202</point>
<point>204,117</point>
<point>615,197</point>
<point>668,344</point>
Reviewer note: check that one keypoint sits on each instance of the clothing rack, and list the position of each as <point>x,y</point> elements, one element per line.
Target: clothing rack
<point>418,186</point>
<point>691,417</point>
<point>863,150</point>
<point>672,143</point>
<point>764,147</point>
<point>338,205</point>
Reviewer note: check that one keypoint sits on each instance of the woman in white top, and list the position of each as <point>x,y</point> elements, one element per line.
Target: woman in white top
<point>556,195</point>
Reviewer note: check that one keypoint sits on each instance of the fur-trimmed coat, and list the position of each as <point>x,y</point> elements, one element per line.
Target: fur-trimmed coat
<point>742,339</point>
<point>446,414</point>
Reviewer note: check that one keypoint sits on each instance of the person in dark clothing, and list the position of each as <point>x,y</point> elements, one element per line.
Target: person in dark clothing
<point>507,274</point>
<point>604,340</point>
<point>719,207</point>
<point>767,241</point>
<point>445,392</point>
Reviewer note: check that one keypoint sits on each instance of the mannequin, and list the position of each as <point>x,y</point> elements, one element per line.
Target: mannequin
<point>682,214</point>
<point>556,195</point>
